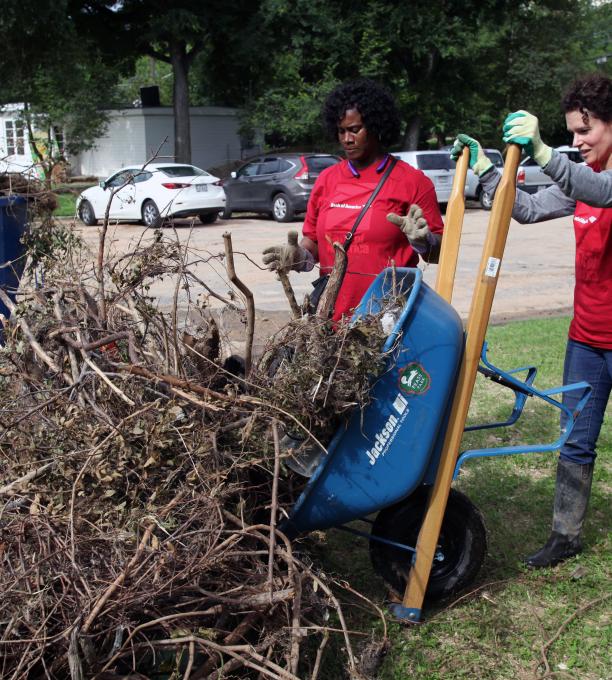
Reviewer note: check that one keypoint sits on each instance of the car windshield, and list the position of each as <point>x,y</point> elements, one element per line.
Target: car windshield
<point>182,171</point>
<point>434,161</point>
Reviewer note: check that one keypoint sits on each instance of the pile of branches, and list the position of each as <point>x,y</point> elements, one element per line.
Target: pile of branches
<point>142,479</point>
<point>41,201</point>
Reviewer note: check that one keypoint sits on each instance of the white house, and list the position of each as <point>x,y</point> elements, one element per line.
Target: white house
<point>134,135</point>
<point>15,153</point>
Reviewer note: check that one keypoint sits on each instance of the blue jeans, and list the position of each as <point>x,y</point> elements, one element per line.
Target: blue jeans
<point>593,365</point>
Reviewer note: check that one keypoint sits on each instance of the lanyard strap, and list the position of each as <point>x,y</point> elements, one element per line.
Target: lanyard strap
<point>349,237</point>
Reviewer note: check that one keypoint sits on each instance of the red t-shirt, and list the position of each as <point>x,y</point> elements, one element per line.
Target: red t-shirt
<point>592,322</point>
<point>333,207</point>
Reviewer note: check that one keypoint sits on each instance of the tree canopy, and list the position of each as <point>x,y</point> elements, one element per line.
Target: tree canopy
<point>457,65</point>
<point>64,80</point>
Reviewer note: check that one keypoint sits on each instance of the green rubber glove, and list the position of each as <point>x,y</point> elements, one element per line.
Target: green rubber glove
<point>287,257</point>
<point>479,162</point>
<point>523,128</point>
<point>415,228</point>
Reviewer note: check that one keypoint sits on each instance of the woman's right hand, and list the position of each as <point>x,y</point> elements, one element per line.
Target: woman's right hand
<point>288,257</point>
<point>479,162</point>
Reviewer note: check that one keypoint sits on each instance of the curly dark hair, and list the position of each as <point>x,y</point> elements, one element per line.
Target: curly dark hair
<point>373,101</point>
<point>590,94</point>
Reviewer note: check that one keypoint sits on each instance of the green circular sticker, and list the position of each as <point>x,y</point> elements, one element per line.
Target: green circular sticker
<point>414,379</point>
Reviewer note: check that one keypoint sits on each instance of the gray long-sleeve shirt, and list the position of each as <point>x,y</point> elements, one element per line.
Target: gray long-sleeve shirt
<point>574,182</point>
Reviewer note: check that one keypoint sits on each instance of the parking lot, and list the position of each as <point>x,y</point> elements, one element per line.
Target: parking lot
<point>536,275</point>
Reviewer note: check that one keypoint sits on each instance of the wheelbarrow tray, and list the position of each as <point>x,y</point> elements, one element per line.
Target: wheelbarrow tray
<point>383,452</point>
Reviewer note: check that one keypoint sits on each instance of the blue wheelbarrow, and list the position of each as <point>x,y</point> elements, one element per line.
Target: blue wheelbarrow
<point>399,455</point>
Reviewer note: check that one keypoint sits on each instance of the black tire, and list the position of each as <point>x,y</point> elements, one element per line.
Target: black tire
<point>462,545</point>
<point>282,209</point>
<point>486,202</point>
<point>208,218</point>
<point>87,214</point>
<point>150,214</point>
<point>226,213</point>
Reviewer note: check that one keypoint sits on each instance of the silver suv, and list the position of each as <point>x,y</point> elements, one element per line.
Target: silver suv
<point>530,176</point>
<point>437,165</point>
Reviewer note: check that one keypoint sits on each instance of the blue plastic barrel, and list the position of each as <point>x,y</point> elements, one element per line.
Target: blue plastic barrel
<point>13,222</point>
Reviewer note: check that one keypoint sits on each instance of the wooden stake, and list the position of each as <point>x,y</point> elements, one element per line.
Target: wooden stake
<point>478,320</point>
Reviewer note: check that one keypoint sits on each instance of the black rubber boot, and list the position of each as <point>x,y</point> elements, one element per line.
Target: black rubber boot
<point>572,493</point>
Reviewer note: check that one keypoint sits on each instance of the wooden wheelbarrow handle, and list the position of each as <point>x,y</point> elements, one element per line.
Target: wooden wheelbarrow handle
<point>455,210</point>
<point>480,311</point>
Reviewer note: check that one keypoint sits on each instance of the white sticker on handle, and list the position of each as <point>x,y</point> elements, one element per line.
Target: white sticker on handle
<point>492,266</point>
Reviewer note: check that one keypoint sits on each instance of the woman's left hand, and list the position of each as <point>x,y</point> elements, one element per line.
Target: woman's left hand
<point>415,228</point>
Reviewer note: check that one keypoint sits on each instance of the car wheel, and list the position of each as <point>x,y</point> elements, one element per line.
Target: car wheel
<point>150,214</point>
<point>87,214</point>
<point>460,552</point>
<point>282,210</point>
<point>226,213</point>
<point>485,199</point>
<point>207,218</point>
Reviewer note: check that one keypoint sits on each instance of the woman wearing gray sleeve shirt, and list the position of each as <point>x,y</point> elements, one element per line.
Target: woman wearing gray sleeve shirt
<point>586,192</point>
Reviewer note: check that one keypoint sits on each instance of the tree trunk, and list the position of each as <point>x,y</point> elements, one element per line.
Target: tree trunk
<point>411,136</point>
<point>182,124</point>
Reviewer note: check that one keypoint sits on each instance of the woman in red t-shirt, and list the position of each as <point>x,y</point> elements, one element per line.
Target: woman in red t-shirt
<point>403,222</point>
<point>586,192</point>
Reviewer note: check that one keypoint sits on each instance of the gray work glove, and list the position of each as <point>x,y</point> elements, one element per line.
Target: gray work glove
<point>288,257</point>
<point>415,228</point>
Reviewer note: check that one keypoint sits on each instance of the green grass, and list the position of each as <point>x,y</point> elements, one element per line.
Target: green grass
<point>497,630</point>
<point>67,205</point>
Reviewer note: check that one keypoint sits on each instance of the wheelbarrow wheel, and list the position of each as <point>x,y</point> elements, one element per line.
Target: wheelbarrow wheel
<point>461,550</point>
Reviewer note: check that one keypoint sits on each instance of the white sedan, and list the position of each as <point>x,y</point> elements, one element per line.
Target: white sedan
<point>154,192</point>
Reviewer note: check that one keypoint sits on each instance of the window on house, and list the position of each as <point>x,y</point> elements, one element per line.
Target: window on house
<point>14,138</point>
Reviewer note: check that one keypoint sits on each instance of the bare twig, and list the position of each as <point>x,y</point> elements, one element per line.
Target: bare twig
<point>250,302</point>
<point>102,240</point>
<point>273,507</point>
<point>547,645</point>
<point>26,478</point>
<point>284,279</point>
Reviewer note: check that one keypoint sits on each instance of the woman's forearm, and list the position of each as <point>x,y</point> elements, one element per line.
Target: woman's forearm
<point>579,181</point>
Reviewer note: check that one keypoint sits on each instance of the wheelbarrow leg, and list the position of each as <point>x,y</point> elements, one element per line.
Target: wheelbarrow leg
<point>480,311</point>
<point>447,264</point>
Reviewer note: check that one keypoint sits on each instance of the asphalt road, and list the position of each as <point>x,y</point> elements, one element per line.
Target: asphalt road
<point>536,275</point>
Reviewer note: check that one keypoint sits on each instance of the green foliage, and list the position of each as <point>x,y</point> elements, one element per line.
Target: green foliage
<point>147,71</point>
<point>456,66</point>
<point>453,66</point>
<point>50,242</point>
<point>61,77</point>
<point>66,205</point>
